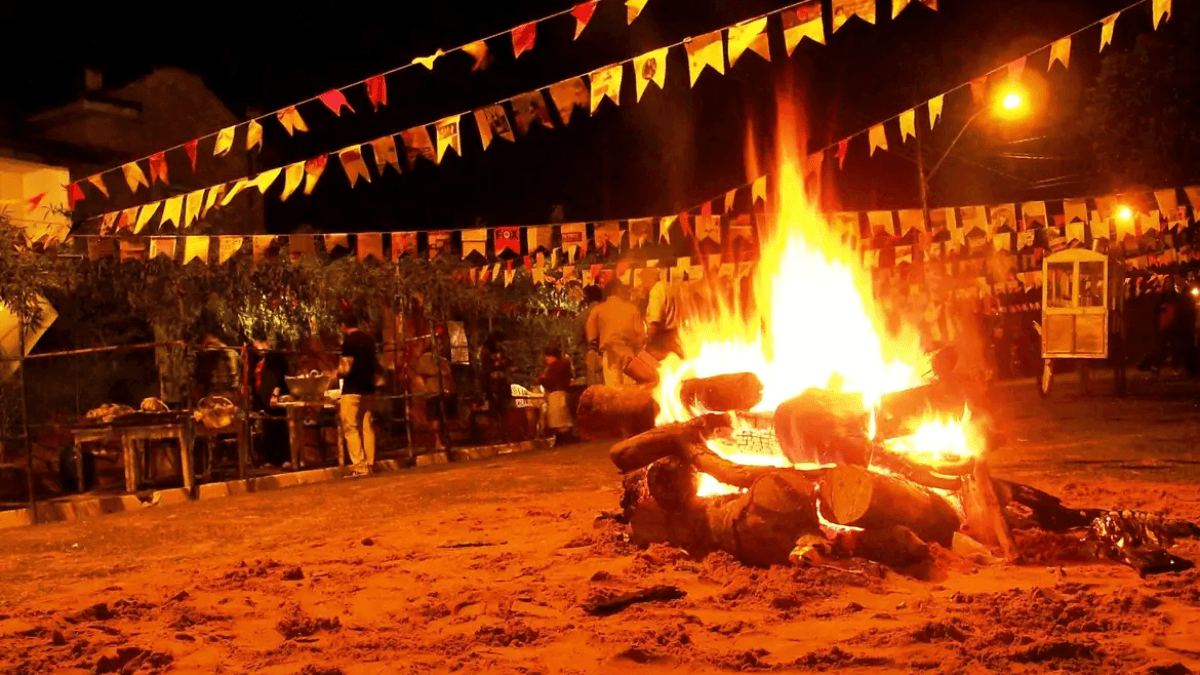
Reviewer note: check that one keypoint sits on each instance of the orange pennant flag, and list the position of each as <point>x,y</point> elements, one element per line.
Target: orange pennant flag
<point>162,246</point>
<point>633,9</point>
<point>313,169</point>
<point>354,165</point>
<point>254,135</point>
<point>291,120</point>
<point>583,14</point>
<point>134,176</point>
<point>335,100</point>
<point>523,38</point>
<point>74,195</point>
<point>1106,30</point>
<point>192,148</point>
<point>1060,51</point>
<point>878,138</point>
<point>98,182</point>
<point>128,218</point>
<point>479,52</point>
<point>370,245</point>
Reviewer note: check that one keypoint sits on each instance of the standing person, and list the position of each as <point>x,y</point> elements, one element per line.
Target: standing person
<point>357,368</point>
<point>615,329</point>
<point>435,380</point>
<point>497,382</point>
<point>662,316</point>
<point>269,385</point>
<point>556,381</point>
<point>592,297</point>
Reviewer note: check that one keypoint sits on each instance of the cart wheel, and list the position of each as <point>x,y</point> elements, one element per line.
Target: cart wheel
<point>1046,379</point>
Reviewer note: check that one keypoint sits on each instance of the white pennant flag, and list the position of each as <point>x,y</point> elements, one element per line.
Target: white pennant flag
<point>650,67</point>
<point>606,83</point>
<point>705,51</point>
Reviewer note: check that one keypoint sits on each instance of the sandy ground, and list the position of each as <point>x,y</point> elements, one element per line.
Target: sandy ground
<point>358,577</point>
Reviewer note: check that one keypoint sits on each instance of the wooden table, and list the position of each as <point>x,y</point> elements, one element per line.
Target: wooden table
<point>297,412</point>
<point>135,436</point>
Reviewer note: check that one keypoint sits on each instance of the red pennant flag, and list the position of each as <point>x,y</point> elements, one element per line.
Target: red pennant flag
<point>843,147</point>
<point>583,14</point>
<point>335,100</point>
<point>377,91</point>
<point>74,194</point>
<point>528,264</point>
<point>35,200</point>
<point>523,38</point>
<point>192,147</point>
<point>508,239</point>
<point>706,209</point>
<point>1015,68</point>
<point>686,223</point>
<point>596,269</point>
<point>158,168</point>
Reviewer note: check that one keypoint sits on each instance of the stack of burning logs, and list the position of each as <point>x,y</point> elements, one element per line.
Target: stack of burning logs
<point>847,495</point>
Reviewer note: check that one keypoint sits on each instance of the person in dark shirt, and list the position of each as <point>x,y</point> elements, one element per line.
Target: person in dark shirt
<point>358,368</point>
<point>270,384</point>
<point>556,381</point>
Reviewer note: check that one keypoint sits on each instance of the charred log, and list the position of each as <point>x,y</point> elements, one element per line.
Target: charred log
<point>1043,510</point>
<point>985,521</point>
<point>652,594</point>
<point>857,497</point>
<point>615,412</point>
<point>895,546</point>
<point>670,440</point>
<point>733,391</point>
<point>902,465</point>
<point>687,528</point>
<point>673,483</point>
<point>822,427</point>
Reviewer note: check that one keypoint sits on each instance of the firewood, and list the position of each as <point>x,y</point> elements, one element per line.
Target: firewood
<point>984,516</point>
<point>901,412</point>
<point>1046,511</point>
<point>810,425</point>
<point>720,393</point>
<point>652,594</point>
<point>686,528</point>
<point>857,497</point>
<point>615,412</point>
<point>673,482</point>
<point>895,546</point>
<point>675,439</point>
<point>899,463</point>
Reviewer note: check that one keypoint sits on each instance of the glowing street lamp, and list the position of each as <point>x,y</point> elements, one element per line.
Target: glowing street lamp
<point>1124,214</point>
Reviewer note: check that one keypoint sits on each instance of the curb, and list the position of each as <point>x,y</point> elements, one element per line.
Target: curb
<point>72,509</point>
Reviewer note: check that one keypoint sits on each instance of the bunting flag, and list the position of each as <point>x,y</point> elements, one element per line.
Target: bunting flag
<point>606,83</point>
<point>1075,210</point>
<point>843,147</point>
<point>523,37</point>
<point>539,238</point>
<point>641,232</point>
<point>254,135</point>
<point>418,145</point>
<point>899,5</point>
<point>882,223</point>
<point>978,89</point>
<point>664,228</point>
<point>224,142</point>
<point>608,234</point>
<point>227,247</point>
<point>335,100</point>
<point>448,136</point>
<point>192,148</point>
<point>633,8</point>
<point>172,211</point>
<point>377,91</point>
<point>509,273</point>
<point>1060,51</point>
<point>750,35</point>
<point>583,14</point>
<point>731,195</point>
<point>144,216</point>
<point>474,241</point>
<point>1033,215</point>
<point>935,109</point>
<point>260,246</point>
<point>162,246</point>
<point>844,9</point>
<point>74,195</point>
<point>158,168</point>
<point>293,175</point>
<point>403,243</point>
<point>108,223</point>
<point>705,51</point>
<point>493,122</point>
<point>910,220</point>
<point>708,228</point>
<point>214,195</point>
<point>301,246</point>
<point>238,186</point>
<point>195,248</point>
<point>370,245</point>
<point>803,22</point>
<point>313,169</point>
<point>33,202</point>
<point>352,162</point>
<point>568,95</point>
<point>291,120</point>
<point>97,182</point>
<point>427,61</point>
<point>650,67</point>
<point>528,108</point>
<point>758,190</point>
<point>1015,68</point>
<point>1167,201</point>
<point>574,237</point>
<point>878,138</point>
<point>437,242</point>
<point>479,52</point>
<point>908,125</point>
<point>384,150</point>
<point>266,179</point>
<point>192,205</point>
<point>134,176</point>
<point>335,241</point>
<point>508,239</point>
<point>1161,9</point>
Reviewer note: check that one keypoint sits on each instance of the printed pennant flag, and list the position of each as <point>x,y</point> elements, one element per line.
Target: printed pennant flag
<point>568,95</point>
<point>844,9</point>
<point>641,232</point>
<point>508,239</point>
<point>158,168</point>
<point>417,145</point>
<point>313,169</point>
<point>1033,215</point>
<point>1161,10</point>
<point>606,83</point>
<point>134,177</point>
<point>574,237</point>
<point>493,123</point>
<point>403,243</point>
<point>370,245</point>
<point>650,67</point>
<point>384,149</point>
<point>97,181</point>
<point>192,148</point>
<point>523,38</point>
<point>899,5</point>
<point>935,109</point>
<point>377,91</point>
<point>291,120</point>
<point>1060,51</point>
<point>162,246</point>
<point>108,222</point>
<point>195,248</point>
<point>908,125</point>
<point>192,206</point>
<point>479,52</point>
<point>539,237</point>
<point>708,228</point>
<point>528,108</point>
<point>583,14</point>
<point>633,8</point>
<point>750,35</point>
<point>1106,30</point>
<point>608,234</point>
<point>803,22</point>
<point>705,51</point>
<point>352,162</point>
<point>227,247</point>
<point>1075,211</point>
<point>878,138</point>
<point>448,136</point>
<point>254,135</point>
<point>1003,216</point>
<point>438,240</point>
<point>144,216</point>
<point>224,142</point>
<point>301,246</point>
<point>335,100</point>
<point>474,241</point>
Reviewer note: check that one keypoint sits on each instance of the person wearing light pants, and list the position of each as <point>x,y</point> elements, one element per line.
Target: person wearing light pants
<point>358,367</point>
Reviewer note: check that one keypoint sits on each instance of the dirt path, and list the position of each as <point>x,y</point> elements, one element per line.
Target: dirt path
<point>359,577</point>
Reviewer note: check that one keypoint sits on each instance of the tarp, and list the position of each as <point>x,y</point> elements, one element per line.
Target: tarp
<point>10,339</point>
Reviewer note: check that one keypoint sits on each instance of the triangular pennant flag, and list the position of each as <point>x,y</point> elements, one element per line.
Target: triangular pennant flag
<point>750,35</point>
<point>803,22</point>
<point>908,125</point>
<point>192,206</point>
<point>370,245</point>
<point>935,109</point>
<point>530,107</point>
<point>97,181</point>
<point>474,241</point>
<point>403,243</point>
<point>195,248</point>
<point>758,190</point>
<point>74,195</point>
<point>910,220</point>
<point>844,9</point>
<point>664,229</point>
<point>978,89</point>
<point>427,61</point>
<point>523,37</point>
<point>352,162</point>
<point>608,234</point>
<point>192,148</point>
<point>33,202</point>
<point>301,246</point>
<point>539,237</point>
<point>1015,68</point>
<point>633,8</point>
<point>641,232</point>
<point>158,168</point>
<point>729,199</point>
<point>1060,51</point>
<point>108,222</point>
<point>335,100</point>
<point>606,83</point>
<point>1106,30</point>
<point>493,122</point>
<point>583,14</point>
<point>574,237</point>
<point>162,246</point>
<point>377,91</point>
<point>266,179</point>
<point>495,273</point>
<point>568,95</point>
<point>650,67</point>
<point>1168,201</point>
<point>293,175</point>
<point>144,216</point>
<point>384,149</point>
<point>479,52</point>
<point>448,136</point>
<point>260,246</point>
<point>878,138</point>
<point>172,211</point>
<point>254,135</point>
<point>417,144</point>
<point>705,51</point>
<point>509,273</point>
<point>843,147</point>
<point>291,120</point>
<point>1161,10</point>
<point>224,141</point>
<point>227,247</point>
<point>238,186</point>
<point>134,177</point>
<point>508,239</point>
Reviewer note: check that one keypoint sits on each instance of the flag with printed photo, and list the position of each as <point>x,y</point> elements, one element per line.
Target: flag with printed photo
<point>352,162</point>
<point>1033,215</point>
<point>802,22</point>
<point>750,35</point>
<point>973,217</point>
<point>608,234</point>
<point>438,241</point>
<point>568,95</point>
<point>708,228</point>
<point>705,51</point>
<point>493,123</point>
<point>641,232</point>
<point>606,83</point>
<point>418,145</point>
<point>844,9</point>
<point>650,67</point>
<point>448,136</point>
<point>508,239</point>
<point>943,219</point>
<point>528,108</point>
<point>384,150</point>
<point>574,237</point>
<point>1003,217</point>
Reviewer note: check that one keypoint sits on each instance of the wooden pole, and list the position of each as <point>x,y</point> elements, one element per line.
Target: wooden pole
<point>29,482</point>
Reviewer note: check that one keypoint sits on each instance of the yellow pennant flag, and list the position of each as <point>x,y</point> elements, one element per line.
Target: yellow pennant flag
<point>293,175</point>
<point>98,182</point>
<point>254,135</point>
<point>567,95</point>
<point>214,196</point>
<point>227,247</point>
<point>134,176</point>
<point>750,35</point>
<point>108,223</point>
<point>935,109</point>
<point>758,190</point>
<point>266,179</point>
<point>705,51</point>
<point>224,141</point>
<point>664,230</point>
<point>172,210</point>
<point>241,184</point>
<point>633,8</point>
<point>1060,51</point>
<point>354,165</point>
<point>448,136</point>
<point>144,216</point>
<point>539,237</point>
<point>427,61</point>
<point>313,169</point>
<point>195,200</point>
<point>260,246</point>
<point>195,248</point>
<point>291,120</point>
<point>474,241</point>
<point>844,9</point>
<point>802,22</point>
<point>1106,30</point>
<point>1161,9</point>
<point>908,125</point>
<point>650,67</point>
<point>384,149</point>
<point>606,83</point>
<point>878,138</point>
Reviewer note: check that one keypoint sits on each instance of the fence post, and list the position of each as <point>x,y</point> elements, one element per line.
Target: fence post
<point>25,416</point>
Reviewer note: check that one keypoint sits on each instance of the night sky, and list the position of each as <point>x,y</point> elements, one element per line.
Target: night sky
<point>669,151</point>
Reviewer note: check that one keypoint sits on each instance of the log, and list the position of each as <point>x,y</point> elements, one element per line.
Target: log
<point>1046,511</point>
<point>984,520</point>
<point>688,528</point>
<point>857,497</point>
<point>652,594</point>
<point>614,412</point>
<point>899,463</point>
<point>895,546</point>
<point>760,526</point>
<point>809,426</point>
<point>669,440</point>
<point>722,393</point>
<point>673,483</point>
